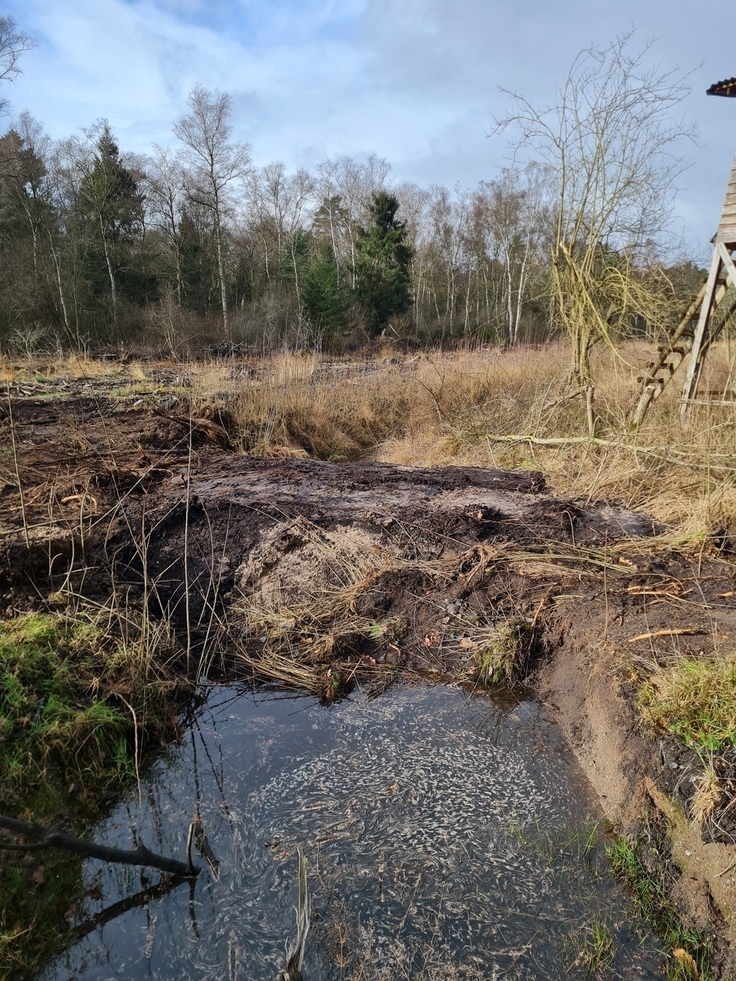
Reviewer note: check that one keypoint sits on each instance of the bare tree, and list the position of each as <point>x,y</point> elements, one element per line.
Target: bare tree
<point>354,184</point>
<point>165,184</point>
<point>281,200</point>
<point>612,141</point>
<point>449,217</point>
<point>13,42</point>
<point>214,163</point>
<point>413,205</point>
<point>517,216</point>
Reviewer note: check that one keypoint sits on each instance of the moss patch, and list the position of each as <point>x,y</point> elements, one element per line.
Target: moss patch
<point>51,715</point>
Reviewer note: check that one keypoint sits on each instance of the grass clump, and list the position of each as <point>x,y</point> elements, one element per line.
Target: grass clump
<point>695,701</point>
<point>691,951</point>
<point>505,654</point>
<point>592,947</point>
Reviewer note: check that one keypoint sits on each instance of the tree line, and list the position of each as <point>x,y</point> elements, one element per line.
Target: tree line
<point>193,244</point>
<point>100,246</point>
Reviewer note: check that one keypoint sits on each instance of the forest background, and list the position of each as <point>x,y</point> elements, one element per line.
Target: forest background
<point>192,246</point>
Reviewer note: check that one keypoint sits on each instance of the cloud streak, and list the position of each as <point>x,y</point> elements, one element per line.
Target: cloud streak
<point>416,82</point>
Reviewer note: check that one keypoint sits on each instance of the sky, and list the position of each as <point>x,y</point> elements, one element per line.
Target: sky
<point>418,82</point>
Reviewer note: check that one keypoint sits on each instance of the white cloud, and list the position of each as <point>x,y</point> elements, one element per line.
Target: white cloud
<point>416,82</point>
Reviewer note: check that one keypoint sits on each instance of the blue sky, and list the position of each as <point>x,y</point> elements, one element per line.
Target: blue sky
<point>414,81</point>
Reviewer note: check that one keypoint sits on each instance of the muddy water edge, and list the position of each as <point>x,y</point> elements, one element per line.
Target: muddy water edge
<point>446,835</point>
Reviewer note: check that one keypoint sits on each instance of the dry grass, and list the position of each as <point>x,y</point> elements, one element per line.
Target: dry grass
<point>483,407</point>
<point>694,699</point>
<point>493,409</point>
<point>707,796</point>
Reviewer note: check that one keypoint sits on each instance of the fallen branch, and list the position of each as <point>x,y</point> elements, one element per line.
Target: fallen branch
<point>88,849</point>
<point>670,632</point>
<point>139,900</point>
<point>672,455</point>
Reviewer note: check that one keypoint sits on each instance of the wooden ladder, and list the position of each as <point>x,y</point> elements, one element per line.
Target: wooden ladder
<point>705,318</point>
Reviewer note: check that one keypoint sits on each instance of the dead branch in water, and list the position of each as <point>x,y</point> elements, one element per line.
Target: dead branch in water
<point>88,849</point>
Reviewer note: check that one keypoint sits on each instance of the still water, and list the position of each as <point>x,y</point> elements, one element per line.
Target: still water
<point>447,836</point>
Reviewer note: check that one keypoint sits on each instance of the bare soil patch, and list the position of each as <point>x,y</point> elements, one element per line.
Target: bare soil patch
<point>357,570</point>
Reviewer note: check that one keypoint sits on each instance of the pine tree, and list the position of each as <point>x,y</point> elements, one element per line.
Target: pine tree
<point>325,299</point>
<point>383,279</point>
<point>112,206</point>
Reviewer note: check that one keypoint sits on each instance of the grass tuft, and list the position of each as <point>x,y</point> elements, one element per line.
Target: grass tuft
<point>592,947</point>
<point>695,701</point>
<point>504,656</point>
<point>691,951</point>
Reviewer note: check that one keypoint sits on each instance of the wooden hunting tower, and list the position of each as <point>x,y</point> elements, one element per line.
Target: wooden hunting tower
<point>708,313</point>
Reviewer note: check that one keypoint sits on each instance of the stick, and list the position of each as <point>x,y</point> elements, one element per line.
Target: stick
<point>88,849</point>
<point>670,632</point>
<point>124,905</point>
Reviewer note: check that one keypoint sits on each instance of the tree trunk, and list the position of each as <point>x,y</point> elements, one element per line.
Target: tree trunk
<point>221,276</point>
<point>88,849</point>
<point>110,272</point>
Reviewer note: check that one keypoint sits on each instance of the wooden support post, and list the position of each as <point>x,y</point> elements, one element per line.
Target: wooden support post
<point>716,305</point>
<point>696,359</point>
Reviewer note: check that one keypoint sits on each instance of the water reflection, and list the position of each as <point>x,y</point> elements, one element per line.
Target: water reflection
<point>439,829</point>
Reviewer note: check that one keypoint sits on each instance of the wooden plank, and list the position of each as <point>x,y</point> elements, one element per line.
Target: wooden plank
<point>727,262</point>
<point>726,226</point>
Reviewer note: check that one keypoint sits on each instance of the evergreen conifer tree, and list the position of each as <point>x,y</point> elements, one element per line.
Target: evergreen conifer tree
<point>325,299</point>
<point>383,279</point>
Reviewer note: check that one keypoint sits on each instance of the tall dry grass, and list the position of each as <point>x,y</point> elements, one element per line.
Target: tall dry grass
<point>484,407</point>
<point>510,409</point>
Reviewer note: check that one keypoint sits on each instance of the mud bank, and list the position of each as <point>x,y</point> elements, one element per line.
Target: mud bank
<point>360,570</point>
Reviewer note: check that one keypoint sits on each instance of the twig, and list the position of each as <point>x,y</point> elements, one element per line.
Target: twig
<point>567,397</point>
<point>590,414</point>
<point>673,455</point>
<point>136,748</point>
<point>727,869</point>
<point>17,471</point>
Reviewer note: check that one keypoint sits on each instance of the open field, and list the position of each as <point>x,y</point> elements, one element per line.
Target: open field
<point>323,523</point>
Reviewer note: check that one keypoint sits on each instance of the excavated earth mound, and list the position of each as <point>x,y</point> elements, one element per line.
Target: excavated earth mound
<point>356,571</point>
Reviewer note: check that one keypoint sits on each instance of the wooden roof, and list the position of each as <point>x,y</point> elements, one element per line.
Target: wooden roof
<point>726,87</point>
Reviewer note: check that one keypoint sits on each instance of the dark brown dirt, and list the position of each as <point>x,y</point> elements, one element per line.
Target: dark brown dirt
<point>435,559</point>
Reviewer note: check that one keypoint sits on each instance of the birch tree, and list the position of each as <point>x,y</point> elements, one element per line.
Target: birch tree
<point>517,205</point>
<point>214,164</point>
<point>612,139</point>
<point>165,185</point>
<point>13,42</point>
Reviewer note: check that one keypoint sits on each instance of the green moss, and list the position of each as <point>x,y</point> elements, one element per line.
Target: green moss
<point>51,719</point>
<point>64,748</point>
